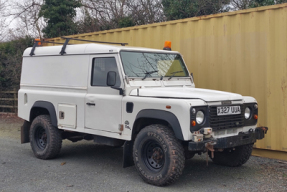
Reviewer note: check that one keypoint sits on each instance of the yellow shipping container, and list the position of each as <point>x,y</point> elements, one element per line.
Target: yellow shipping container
<point>243,52</point>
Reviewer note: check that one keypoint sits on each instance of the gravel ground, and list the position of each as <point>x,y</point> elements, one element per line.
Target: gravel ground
<point>84,166</point>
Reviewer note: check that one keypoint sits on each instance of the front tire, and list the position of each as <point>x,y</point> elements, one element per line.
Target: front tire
<point>45,139</point>
<point>158,155</point>
<point>233,158</point>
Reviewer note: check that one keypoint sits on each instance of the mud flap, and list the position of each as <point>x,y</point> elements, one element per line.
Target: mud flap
<point>25,132</point>
<point>128,154</point>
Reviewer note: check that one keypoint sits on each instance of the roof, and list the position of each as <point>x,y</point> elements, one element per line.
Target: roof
<point>91,48</point>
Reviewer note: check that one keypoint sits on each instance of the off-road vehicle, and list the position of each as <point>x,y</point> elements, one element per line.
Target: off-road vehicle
<point>143,99</point>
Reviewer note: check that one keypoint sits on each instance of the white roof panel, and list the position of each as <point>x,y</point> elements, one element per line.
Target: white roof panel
<point>91,48</point>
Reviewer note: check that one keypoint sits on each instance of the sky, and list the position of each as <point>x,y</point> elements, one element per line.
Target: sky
<point>14,26</point>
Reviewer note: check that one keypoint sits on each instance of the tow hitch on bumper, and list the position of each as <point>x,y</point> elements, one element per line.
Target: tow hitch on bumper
<point>243,138</point>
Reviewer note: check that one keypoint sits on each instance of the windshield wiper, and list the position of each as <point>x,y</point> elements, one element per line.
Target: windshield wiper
<point>173,74</point>
<point>148,73</point>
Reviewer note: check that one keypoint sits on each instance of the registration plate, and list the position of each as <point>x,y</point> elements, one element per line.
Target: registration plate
<point>228,110</point>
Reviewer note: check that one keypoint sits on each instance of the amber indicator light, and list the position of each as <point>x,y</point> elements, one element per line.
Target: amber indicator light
<point>255,117</point>
<point>168,107</point>
<point>193,123</point>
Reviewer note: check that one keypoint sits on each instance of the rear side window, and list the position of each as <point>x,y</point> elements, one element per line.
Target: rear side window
<point>101,67</point>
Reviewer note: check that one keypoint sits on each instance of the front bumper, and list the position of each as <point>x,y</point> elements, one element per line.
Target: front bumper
<point>243,138</point>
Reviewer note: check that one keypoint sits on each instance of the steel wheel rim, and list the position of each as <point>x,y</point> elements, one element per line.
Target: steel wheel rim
<point>41,137</point>
<point>153,155</point>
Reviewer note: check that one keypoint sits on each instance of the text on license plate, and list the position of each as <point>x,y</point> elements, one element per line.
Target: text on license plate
<point>228,110</point>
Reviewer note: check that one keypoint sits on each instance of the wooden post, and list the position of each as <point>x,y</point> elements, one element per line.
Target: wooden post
<point>1,110</point>
<point>15,101</point>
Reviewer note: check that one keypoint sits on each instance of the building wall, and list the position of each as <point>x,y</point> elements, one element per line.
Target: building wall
<point>243,52</point>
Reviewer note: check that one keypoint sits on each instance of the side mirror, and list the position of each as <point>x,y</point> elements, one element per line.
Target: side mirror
<point>111,78</point>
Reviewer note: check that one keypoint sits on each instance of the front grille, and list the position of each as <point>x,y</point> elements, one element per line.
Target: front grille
<point>226,121</point>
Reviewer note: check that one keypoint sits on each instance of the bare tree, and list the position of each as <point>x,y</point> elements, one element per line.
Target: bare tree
<point>26,14</point>
<point>146,11</point>
<point>245,4</point>
<point>106,11</point>
<point>110,13</point>
<point>3,24</point>
<point>240,4</point>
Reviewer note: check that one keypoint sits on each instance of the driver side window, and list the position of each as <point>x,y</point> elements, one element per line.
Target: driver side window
<point>101,67</point>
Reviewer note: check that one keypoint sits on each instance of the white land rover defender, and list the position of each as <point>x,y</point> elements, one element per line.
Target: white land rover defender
<point>143,99</point>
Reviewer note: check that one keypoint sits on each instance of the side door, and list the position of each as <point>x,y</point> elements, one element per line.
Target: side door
<point>103,109</point>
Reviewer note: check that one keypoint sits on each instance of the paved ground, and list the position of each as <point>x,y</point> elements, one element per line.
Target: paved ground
<point>84,166</point>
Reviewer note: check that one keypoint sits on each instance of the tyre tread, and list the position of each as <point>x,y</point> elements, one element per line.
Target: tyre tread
<point>177,157</point>
<point>55,144</point>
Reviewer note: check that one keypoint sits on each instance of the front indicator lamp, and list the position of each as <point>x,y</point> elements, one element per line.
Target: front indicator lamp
<point>193,123</point>
<point>255,116</point>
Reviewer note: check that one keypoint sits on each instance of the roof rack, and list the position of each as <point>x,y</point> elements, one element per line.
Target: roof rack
<point>63,51</point>
<point>67,39</point>
<point>39,43</point>
<point>34,47</point>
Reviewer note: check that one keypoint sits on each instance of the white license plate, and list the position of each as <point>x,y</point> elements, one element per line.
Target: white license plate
<point>228,110</point>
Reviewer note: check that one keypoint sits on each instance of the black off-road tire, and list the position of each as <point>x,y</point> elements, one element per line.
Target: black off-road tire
<point>158,155</point>
<point>45,139</point>
<point>233,158</point>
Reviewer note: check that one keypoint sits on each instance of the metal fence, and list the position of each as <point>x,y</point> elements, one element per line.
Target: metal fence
<point>9,101</point>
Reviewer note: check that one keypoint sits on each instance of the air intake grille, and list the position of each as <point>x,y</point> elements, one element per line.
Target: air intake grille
<point>226,121</point>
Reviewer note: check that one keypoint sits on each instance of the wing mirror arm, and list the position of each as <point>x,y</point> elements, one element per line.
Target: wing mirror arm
<point>120,90</point>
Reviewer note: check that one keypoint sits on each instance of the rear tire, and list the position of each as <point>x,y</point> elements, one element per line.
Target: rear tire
<point>45,139</point>
<point>233,158</point>
<point>158,155</point>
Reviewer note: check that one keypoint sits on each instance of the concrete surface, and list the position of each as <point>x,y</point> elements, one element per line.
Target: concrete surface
<point>84,166</point>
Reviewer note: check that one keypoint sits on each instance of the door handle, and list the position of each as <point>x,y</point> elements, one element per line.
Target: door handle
<point>91,104</point>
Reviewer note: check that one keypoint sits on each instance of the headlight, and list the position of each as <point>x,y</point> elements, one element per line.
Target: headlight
<point>247,113</point>
<point>199,117</point>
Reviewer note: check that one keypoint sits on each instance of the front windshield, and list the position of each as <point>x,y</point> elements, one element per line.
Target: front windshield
<point>144,64</point>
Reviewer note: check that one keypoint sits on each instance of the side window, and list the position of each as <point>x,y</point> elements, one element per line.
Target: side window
<point>101,67</point>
